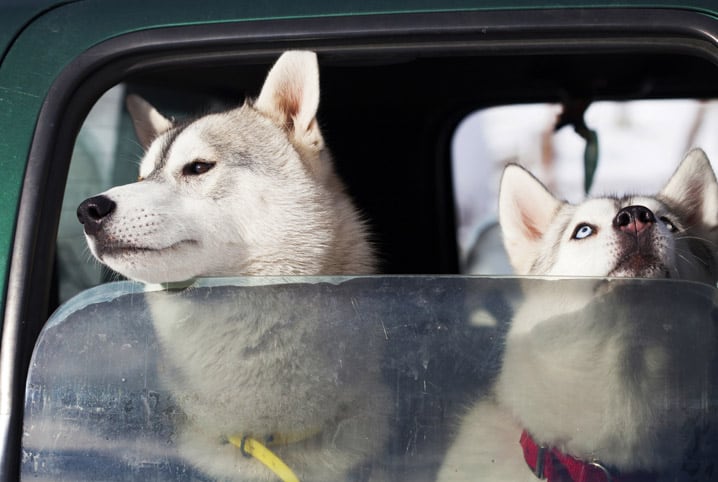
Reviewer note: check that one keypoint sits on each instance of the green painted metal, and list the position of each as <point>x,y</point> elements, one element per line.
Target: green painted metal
<point>40,39</point>
<point>16,14</point>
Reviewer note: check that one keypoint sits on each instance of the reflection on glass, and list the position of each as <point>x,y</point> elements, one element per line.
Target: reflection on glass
<point>377,378</point>
<point>600,378</point>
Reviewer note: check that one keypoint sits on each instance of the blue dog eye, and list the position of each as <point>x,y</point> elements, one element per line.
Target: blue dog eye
<point>582,231</point>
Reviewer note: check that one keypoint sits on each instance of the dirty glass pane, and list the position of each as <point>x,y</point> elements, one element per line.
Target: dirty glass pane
<point>359,378</point>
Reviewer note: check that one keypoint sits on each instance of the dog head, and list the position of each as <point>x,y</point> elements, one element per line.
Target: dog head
<point>243,192</point>
<point>670,235</point>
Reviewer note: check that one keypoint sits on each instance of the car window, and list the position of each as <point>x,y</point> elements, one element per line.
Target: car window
<point>113,393</point>
<point>639,144</point>
<point>100,403</point>
<point>109,394</point>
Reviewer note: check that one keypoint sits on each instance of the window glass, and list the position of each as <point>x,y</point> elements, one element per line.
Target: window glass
<point>639,143</point>
<point>119,387</point>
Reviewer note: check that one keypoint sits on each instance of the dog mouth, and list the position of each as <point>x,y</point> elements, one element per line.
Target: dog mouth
<point>639,265</point>
<point>117,249</point>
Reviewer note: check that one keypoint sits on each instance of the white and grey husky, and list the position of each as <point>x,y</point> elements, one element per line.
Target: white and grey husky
<point>600,379</point>
<point>250,191</point>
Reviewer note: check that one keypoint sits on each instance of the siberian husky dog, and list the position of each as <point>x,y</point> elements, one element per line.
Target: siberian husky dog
<point>250,191</point>
<point>601,379</point>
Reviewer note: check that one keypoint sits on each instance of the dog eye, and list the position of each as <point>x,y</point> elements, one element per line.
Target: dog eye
<point>671,227</point>
<point>582,231</point>
<point>196,168</point>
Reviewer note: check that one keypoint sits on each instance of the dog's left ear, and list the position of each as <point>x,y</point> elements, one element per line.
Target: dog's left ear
<point>694,188</point>
<point>290,96</point>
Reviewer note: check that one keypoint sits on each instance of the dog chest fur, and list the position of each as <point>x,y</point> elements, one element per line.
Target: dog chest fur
<point>609,370</point>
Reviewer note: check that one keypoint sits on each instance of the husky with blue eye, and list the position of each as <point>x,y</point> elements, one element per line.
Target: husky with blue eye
<point>601,379</point>
<point>251,192</point>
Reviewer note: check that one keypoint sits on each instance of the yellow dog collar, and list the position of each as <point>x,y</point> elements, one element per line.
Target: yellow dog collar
<point>251,447</point>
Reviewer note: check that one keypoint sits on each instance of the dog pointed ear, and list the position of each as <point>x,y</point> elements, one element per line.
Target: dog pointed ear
<point>148,122</point>
<point>526,210</point>
<point>694,188</point>
<point>290,96</point>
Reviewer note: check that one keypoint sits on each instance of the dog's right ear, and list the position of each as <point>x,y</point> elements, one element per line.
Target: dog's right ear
<point>148,122</point>
<point>290,95</point>
<point>526,210</point>
<point>694,187</point>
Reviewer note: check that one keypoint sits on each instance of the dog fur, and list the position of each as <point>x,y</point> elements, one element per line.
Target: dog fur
<point>608,370</point>
<point>249,191</point>
<point>269,202</point>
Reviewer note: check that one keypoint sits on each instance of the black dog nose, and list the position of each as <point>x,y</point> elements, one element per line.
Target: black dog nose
<point>93,211</point>
<point>634,219</point>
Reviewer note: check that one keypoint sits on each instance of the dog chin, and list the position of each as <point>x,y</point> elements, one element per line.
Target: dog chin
<point>650,270</point>
<point>149,275</point>
<point>150,265</point>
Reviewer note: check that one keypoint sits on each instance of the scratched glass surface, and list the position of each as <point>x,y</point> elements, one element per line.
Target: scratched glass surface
<point>372,376</point>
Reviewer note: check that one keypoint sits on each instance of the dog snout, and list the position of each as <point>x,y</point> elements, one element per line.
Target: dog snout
<point>634,219</point>
<point>94,211</point>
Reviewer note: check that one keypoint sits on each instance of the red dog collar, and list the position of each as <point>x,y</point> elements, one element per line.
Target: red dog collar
<point>555,466</point>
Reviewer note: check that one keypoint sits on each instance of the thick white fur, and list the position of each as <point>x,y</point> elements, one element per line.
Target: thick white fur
<point>532,219</point>
<point>595,368</point>
<point>248,363</point>
<point>270,205</point>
